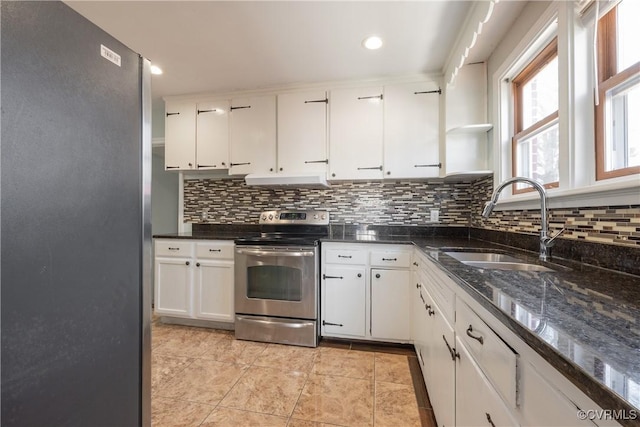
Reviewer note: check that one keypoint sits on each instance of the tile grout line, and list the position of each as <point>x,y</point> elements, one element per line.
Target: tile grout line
<point>302,388</point>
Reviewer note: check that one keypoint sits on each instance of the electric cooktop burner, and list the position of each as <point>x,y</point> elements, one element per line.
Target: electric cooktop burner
<point>289,227</point>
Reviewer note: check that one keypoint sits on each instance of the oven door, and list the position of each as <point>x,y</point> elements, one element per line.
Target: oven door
<point>276,281</point>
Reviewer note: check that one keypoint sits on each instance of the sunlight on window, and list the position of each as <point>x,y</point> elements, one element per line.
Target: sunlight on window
<point>538,156</point>
<point>623,132</point>
<point>628,34</point>
<point>540,94</point>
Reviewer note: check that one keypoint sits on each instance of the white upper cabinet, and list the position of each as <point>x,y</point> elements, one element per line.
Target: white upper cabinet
<point>411,130</point>
<point>180,135</point>
<point>302,132</point>
<point>212,135</point>
<point>253,135</point>
<point>355,135</point>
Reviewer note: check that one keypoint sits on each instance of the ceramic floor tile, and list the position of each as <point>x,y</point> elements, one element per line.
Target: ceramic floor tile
<point>191,342</point>
<point>228,349</point>
<point>163,368</point>
<point>336,400</point>
<point>395,405</point>
<point>177,413</point>
<point>304,423</point>
<point>392,368</point>
<point>266,390</point>
<point>227,417</point>
<point>287,358</point>
<point>204,381</point>
<point>344,363</point>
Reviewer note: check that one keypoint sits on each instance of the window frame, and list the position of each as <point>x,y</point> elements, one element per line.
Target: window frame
<point>546,55</point>
<point>609,78</point>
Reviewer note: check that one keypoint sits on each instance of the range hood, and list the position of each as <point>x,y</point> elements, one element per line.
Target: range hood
<point>306,180</point>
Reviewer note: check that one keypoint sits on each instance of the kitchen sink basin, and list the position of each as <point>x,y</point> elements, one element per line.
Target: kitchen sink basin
<point>495,261</point>
<point>517,266</point>
<point>482,257</point>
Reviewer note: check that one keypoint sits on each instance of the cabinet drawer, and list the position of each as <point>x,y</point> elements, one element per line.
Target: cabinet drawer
<point>174,248</point>
<point>441,292</point>
<point>215,250</point>
<point>496,359</point>
<point>390,259</point>
<point>346,256</point>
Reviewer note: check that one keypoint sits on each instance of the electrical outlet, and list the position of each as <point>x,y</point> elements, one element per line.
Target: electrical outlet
<point>434,215</point>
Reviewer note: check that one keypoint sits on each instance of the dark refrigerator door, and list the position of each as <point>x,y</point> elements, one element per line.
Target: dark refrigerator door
<point>71,222</point>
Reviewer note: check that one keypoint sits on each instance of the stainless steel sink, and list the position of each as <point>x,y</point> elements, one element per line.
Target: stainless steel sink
<point>482,256</point>
<point>517,266</point>
<point>495,261</point>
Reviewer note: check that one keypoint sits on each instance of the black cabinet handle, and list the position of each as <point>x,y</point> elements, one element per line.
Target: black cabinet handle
<point>172,114</point>
<point>206,166</point>
<point>371,168</point>
<point>452,351</point>
<point>415,263</point>
<point>417,285</point>
<point>370,97</point>
<point>239,164</point>
<point>331,324</point>
<point>174,249</point>
<point>326,101</point>
<point>345,256</point>
<point>489,419</point>
<point>324,276</point>
<point>240,108</point>
<point>197,264</point>
<point>439,92</point>
<point>423,301</point>
<point>429,311</point>
<point>434,165</point>
<point>377,276</point>
<point>187,263</point>
<point>389,259</point>
<point>213,110</point>
<point>317,161</point>
<point>479,338</point>
<point>215,250</point>
<point>173,167</point>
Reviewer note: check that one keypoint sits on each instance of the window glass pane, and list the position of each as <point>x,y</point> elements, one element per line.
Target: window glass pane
<point>628,34</point>
<point>538,156</point>
<point>540,95</point>
<point>623,133</point>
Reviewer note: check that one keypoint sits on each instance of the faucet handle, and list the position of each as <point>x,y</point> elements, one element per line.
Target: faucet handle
<point>550,242</point>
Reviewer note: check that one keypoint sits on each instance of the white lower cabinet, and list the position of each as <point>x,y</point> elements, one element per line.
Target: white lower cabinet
<point>365,291</point>
<point>442,370</point>
<point>194,279</point>
<point>390,297</point>
<point>173,286</point>
<point>477,403</point>
<point>343,301</point>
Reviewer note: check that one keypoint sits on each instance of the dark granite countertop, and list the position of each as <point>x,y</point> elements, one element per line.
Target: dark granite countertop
<point>584,320</point>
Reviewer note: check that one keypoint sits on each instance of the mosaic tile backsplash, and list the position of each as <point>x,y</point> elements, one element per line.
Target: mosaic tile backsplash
<point>231,201</point>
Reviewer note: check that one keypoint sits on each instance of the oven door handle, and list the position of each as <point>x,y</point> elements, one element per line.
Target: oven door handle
<point>254,252</point>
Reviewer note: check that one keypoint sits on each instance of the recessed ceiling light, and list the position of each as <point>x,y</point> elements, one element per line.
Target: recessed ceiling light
<point>372,42</point>
<point>156,70</point>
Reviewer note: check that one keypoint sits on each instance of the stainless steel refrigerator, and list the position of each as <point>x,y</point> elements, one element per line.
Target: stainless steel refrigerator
<point>75,231</point>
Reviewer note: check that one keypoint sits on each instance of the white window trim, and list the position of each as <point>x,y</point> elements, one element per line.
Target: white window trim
<point>578,186</point>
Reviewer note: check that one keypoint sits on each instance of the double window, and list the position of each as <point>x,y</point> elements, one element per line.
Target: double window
<point>535,144</point>
<point>618,110</point>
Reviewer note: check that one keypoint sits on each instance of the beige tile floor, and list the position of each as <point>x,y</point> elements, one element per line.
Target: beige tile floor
<point>204,377</point>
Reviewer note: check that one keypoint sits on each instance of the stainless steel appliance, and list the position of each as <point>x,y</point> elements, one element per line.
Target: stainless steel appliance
<point>277,278</point>
<point>75,222</point>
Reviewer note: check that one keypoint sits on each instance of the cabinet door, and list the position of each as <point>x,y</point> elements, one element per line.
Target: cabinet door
<point>302,132</point>
<point>212,136</point>
<point>477,403</point>
<point>173,286</point>
<point>180,135</point>
<point>253,135</point>
<point>355,133</point>
<point>214,290</point>
<point>441,384</point>
<point>390,300</point>
<point>411,130</point>
<point>343,301</point>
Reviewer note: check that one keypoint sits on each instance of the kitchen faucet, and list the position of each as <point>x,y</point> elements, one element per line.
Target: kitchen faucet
<point>546,242</point>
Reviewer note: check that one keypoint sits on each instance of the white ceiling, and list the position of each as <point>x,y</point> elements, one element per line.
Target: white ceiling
<point>222,46</point>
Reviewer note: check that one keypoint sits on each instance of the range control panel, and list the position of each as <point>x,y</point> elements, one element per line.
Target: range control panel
<point>295,217</point>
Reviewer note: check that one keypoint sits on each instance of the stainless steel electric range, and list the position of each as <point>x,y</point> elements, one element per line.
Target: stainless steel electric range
<point>277,278</point>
